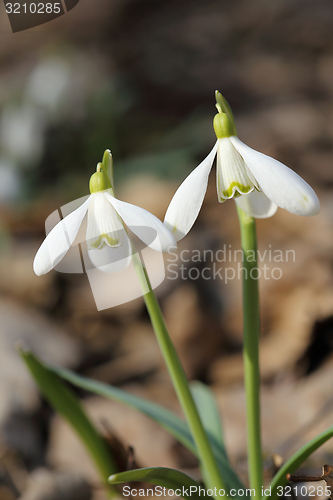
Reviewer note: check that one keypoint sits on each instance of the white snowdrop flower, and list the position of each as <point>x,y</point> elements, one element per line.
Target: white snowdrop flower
<point>106,235</point>
<point>258,183</point>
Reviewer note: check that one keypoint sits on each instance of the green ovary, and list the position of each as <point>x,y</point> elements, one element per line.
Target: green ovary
<point>99,243</point>
<point>228,193</point>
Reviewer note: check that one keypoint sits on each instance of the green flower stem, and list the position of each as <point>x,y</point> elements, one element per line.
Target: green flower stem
<point>180,382</point>
<point>251,319</point>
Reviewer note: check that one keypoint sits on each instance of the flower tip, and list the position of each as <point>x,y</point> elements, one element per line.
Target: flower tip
<point>107,165</point>
<point>107,156</point>
<point>38,268</point>
<point>307,203</point>
<point>220,100</point>
<point>313,205</point>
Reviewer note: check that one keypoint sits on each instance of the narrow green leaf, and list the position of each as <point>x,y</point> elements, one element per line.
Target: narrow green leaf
<point>165,418</point>
<point>168,478</point>
<point>68,406</point>
<point>209,414</point>
<point>296,461</point>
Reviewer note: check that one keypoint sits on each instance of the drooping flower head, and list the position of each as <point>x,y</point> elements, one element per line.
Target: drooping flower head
<point>109,246</point>
<point>258,183</point>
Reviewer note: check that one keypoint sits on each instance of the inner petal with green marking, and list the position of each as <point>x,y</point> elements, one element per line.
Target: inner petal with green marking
<point>233,176</point>
<point>104,224</point>
<point>104,239</point>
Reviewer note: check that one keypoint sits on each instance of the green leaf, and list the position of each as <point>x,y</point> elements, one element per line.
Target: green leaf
<point>168,478</point>
<point>209,414</point>
<point>165,418</point>
<point>297,460</point>
<point>210,417</point>
<point>68,406</point>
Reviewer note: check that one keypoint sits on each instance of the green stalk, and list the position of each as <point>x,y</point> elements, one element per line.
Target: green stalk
<point>251,320</point>
<point>180,382</point>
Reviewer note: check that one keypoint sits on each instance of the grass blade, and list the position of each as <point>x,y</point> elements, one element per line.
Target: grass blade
<point>296,461</point>
<point>62,399</point>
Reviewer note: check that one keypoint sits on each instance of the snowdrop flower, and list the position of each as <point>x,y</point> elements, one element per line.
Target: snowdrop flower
<point>258,183</point>
<point>109,247</point>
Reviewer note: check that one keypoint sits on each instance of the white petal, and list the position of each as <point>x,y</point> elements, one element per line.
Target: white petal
<point>104,225</point>
<point>281,184</point>
<point>58,241</point>
<point>112,259</point>
<point>256,204</point>
<point>187,201</point>
<point>145,225</point>
<point>232,175</point>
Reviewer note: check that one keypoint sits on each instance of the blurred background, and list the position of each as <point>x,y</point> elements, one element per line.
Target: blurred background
<point>138,77</point>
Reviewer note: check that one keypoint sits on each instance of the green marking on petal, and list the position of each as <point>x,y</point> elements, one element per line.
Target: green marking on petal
<point>105,239</point>
<point>304,201</point>
<point>228,193</point>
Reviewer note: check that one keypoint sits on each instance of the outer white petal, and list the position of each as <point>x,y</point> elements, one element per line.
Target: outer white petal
<point>281,184</point>
<point>112,259</point>
<point>104,226</point>
<point>187,201</point>
<point>257,205</point>
<point>58,241</point>
<point>144,224</point>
